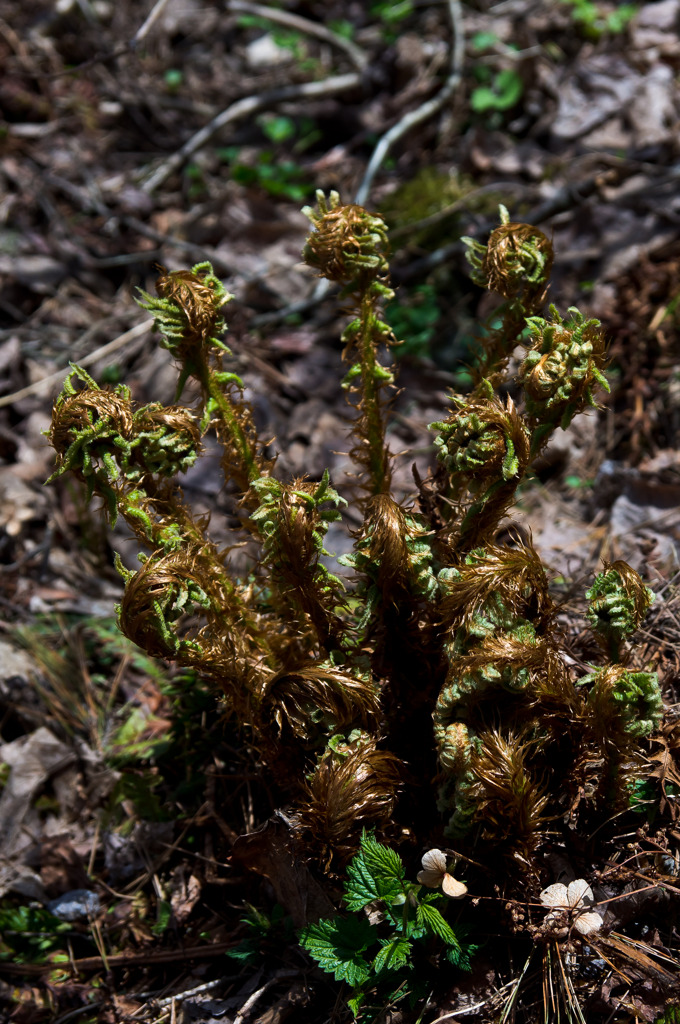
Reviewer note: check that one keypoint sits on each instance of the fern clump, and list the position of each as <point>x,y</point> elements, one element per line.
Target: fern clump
<point>434,694</point>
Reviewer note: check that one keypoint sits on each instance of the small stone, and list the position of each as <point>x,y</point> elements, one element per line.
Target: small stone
<point>76,905</point>
<point>265,53</point>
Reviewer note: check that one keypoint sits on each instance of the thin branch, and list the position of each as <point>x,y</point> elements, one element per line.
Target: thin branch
<point>251,1000</point>
<point>257,995</point>
<point>128,959</point>
<point>207,986</point>
<point>426,110</point>
<point>476,1006</point>
<point>144,30</point>
<point>119,51</point>
<point>56,378</point>
<point>301,307</point>
<point>242,108</point>
<point>310,28</point>
<point>91,200</point>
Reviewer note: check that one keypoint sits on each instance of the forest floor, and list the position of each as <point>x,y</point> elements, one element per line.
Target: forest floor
<point>197,135</point>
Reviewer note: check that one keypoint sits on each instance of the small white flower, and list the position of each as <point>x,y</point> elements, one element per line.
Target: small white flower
<point>570,901</point>
<point>434,875</point>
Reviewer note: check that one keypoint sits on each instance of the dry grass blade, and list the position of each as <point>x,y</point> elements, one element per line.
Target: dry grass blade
<point>640,954</point>
<point>508,1015</point>
<point>572,1007</point>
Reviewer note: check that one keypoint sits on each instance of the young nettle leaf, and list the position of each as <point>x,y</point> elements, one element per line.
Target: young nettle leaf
<point>376,873</point>
<point>247,951</point>
<point>337,945</point>
<point>460,958</point>
<point>395,953</point>
<point>430,918</point>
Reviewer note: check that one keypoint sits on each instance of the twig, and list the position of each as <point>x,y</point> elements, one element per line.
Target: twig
<point>95,963</point>
<point>251,1000</point>
<point>119,51</point>
<point>24,55</point>
<point>243,107</point>
<point>426,110</point>
<point>79,1011</point>
<point>573,194</point>
<point>179,996</point>
<point>154,14</point>
<point>476,1006</point>
<point>91,200</point>
<point>54,378</point>
<point>310,28</point>
<point>162,1019</point>
<point>28,556</point>
<point>300,307</point>
<point>257,995</point>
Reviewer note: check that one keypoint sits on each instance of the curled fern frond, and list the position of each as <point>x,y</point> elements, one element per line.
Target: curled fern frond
<point>387,538</point>
<point>97,431</point>
<point>157,595</point>
<point>515,262</point>
<point>497,585</point>
<point>91,429</point>
<point>621,708</point>
<point>453,739</point>
<point>319,699</point>
<point>511,802</point>
<point>562,370</point>
<point>623,703</point>
<point>394,552</point>
<point>503,661</point>
<point>508,660</point>
<point>484,445</point>
<point>167,439</point>
<point>292,520</point>
<point>345,240</point>
<point>349,245</point>
<point>483,440</point>
<point>346,795</point>
<point>187,311</point>
<point>618,602</point>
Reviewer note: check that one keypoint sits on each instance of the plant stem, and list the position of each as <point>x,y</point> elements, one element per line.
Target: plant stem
<point>376,461</point>
<point>213,392</point>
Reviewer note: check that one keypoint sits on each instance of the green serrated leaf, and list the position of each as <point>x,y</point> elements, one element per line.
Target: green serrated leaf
<point>460,958</point>
<point>431,897</point>
<point>246,952</point>
<point>393,955</point>
<point>356,1002</point>
<point>337,945</point>
<point>430,918</point>
<point>376,873</point>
